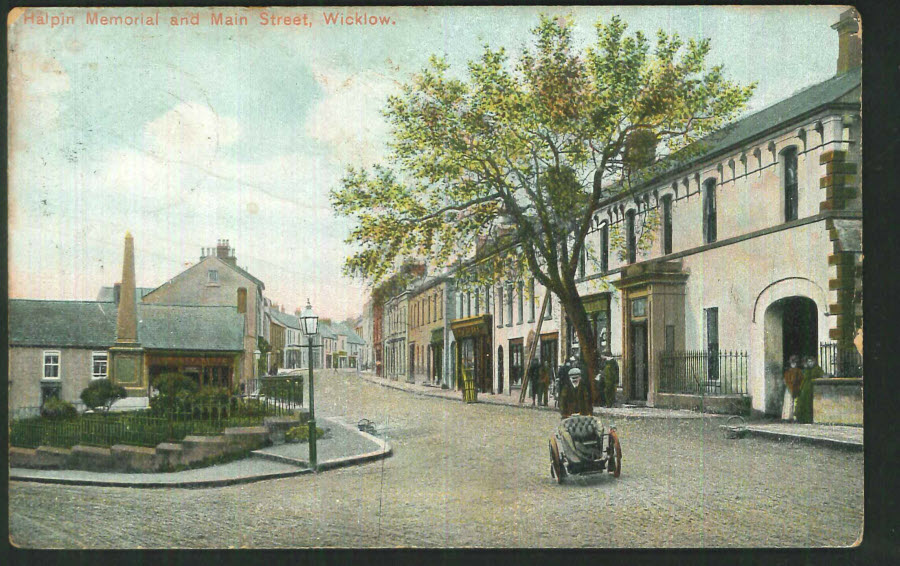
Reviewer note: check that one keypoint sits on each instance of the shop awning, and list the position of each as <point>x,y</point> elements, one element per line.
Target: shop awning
<point>471,326</point>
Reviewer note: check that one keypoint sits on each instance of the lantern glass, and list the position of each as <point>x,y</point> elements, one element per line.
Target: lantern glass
<point>309,320</point>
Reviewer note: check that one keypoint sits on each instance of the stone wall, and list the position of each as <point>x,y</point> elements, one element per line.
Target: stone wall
<point>192,451</point>
<point>720,404</point>
<point>838,401</point>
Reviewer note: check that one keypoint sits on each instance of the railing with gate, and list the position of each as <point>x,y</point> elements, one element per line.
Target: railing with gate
<point>836,362</point>
<point>278,394</point>
<point>701,372</point>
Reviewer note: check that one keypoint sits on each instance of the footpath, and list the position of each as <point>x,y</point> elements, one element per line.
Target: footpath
<point>835,436</point>
<point>342,445</point>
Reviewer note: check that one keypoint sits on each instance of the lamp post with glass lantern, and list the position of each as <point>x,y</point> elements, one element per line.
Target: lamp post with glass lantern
<point>310,324</point>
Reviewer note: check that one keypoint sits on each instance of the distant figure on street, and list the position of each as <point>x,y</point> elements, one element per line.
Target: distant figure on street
<point>534,371</point>
<point>610,381</point>
<point>543,383</point>
<point>575,396</point>
<point>803,410</point>
<point>793,379</point>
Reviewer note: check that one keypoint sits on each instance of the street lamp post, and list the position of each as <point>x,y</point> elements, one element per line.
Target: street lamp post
<point>311,326</point>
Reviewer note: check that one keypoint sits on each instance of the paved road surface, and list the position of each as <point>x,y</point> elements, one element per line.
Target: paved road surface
<point>478,475</point>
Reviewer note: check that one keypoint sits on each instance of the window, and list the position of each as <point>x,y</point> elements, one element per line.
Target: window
<point>667,224</point>
<point>477,301</point>
<point>549,306</point>
<point>500,305</point>
<point>581,261</point>
<point>487,300</point>
<point>531,300</point>
<point>509,304</point>
<point>521,288</point>
<point>212,276</point>
<point>709,211</point>
<point>468,303</point>
<point>712,343</point>
<point>99,362</point>
<point>604,249</point>
<point>51,364</point>
<point>789,158</point>
<point>629,237</point>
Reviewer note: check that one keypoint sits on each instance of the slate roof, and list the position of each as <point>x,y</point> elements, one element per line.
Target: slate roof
<point>805,102</point>
<point>84,324</point>
<point>175,327</point>
<point>351,335</point>
<point>92,324</point>
<point>325,330</point>
<point>106,293</point>
<point>285,319</point>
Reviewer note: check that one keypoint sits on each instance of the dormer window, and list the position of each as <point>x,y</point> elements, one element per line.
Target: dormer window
<point>212,277</point>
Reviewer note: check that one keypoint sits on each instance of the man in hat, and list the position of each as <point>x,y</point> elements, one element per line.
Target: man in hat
<point>793,379</point>
<point>576,395</point>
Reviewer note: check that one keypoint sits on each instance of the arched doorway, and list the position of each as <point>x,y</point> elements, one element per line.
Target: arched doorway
<point>500,369</point>
<point>791,328</point>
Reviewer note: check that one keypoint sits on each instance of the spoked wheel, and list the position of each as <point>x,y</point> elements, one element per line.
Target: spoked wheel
<point>556,469</point>
<point>616,471</point>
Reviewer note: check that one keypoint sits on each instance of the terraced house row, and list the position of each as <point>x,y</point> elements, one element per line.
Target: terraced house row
<point>758,257</point>
<point>210,322</point>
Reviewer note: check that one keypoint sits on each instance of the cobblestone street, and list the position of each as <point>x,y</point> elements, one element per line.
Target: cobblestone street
<point>479,476</point>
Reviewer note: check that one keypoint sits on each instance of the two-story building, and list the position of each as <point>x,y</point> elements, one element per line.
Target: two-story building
<point>756,257</point>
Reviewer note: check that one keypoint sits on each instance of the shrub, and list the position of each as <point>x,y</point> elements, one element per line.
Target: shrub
<point>57,409</point>
<point>101,394</point>
<point>175,393</point>
<point>209,399</point>
<point>301,434</point>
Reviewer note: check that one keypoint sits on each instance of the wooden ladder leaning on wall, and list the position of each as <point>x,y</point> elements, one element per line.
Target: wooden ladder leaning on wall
<point>533,347</point>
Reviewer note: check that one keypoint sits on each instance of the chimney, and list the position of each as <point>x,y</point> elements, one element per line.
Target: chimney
<point>242,300</point>
<point>117,292</point>
<point>849,41</point>
<point>126,318</point>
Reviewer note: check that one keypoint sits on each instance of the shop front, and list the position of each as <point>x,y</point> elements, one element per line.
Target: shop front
<point>473,352</point>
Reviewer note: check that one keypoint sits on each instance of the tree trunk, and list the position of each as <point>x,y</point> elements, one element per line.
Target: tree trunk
<point>586,340</point>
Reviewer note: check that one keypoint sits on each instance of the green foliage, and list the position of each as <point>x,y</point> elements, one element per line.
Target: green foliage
<point>517,153</point>
<point>301,433</point>
<point>175,393</point>
<point>532,146</point>
<point>57,409</point>
<point>101,394</point>
<point>264,348</point>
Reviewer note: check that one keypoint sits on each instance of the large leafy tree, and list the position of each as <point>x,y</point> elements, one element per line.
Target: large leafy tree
<point>520,153</point>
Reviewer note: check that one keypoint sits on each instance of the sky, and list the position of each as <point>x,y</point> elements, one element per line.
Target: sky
<point>184,135</point>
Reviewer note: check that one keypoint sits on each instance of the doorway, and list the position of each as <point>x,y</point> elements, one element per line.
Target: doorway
<point>500,369</point>
<point>791,328</point>
<point>639,361</point>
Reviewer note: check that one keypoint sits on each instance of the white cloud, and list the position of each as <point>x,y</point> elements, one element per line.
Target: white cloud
<point>191,132</point>
<point>349,118</point>
<point>36,82</point>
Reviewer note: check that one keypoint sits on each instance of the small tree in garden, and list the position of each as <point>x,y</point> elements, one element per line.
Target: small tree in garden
<point>101,394</point>
<point>57,409</point>
<point>176,392</point>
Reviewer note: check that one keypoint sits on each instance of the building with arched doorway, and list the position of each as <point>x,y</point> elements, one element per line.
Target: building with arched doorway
<point>756,254</point>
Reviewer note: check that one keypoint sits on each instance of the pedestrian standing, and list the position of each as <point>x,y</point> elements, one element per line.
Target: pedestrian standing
<point>793,379</point>
<point>533,376</point>
<point>803,411</point>
<point>543,383</point>
<point>610,381</point>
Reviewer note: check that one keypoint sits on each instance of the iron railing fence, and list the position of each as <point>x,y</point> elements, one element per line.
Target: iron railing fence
<point>281,394</point>
<point>837,362</point>
<point>123,428</point>
<point>701,372</point>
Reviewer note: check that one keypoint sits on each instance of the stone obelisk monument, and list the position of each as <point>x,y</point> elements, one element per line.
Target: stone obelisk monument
<point>126,357</point>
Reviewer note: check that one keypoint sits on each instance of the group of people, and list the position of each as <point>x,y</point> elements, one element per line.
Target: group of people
<point>575,392</point>
<point>798,392</point>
